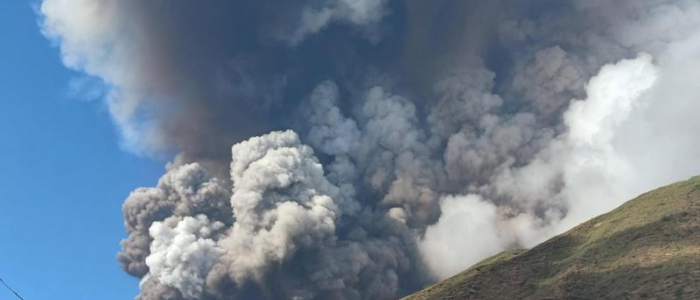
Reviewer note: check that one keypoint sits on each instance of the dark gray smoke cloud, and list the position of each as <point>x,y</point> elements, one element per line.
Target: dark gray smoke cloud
<point>426,134</point>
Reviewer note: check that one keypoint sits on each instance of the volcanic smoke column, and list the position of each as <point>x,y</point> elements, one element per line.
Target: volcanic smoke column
<point>423,131</point>
<point>289,233</point>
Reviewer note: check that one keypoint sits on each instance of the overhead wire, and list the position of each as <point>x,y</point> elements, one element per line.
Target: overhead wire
<point>10,289</point>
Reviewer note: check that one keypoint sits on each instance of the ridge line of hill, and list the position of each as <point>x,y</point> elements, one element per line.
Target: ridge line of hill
<point>648,248</point>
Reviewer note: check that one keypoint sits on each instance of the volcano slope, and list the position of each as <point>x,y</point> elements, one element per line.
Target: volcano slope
<point>649,248</point>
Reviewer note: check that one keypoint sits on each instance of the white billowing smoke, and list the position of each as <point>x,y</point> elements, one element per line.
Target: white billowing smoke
<point>184,191</point>
<point>586,158</point>
<point>182,256</point>
<point>469,226</point>
<point>425,137</point>
<point>633,133</point>
<point>99,51</point>
<point>282,202</point>
<point>596,169</point>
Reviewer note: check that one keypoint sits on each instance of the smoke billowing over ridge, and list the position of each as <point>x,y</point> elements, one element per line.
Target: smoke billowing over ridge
<point>337,149</point>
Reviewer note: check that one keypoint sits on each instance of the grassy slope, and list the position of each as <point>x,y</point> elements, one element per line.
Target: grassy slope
<point>649,248</point>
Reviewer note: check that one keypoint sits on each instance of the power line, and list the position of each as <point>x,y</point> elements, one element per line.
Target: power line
<point>11,290</point>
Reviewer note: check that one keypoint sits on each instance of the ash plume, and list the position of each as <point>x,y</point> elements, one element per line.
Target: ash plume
<point>337,149</point>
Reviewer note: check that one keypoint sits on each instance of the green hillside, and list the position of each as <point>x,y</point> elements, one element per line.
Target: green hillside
<point>649,248</point>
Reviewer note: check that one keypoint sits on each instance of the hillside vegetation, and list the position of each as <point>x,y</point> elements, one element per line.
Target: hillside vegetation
<point>649,248</point>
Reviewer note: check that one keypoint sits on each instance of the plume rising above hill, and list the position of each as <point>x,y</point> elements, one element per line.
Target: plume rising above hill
<point>337,149</point>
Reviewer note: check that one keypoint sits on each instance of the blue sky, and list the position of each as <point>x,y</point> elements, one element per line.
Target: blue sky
<point>62,175</point>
